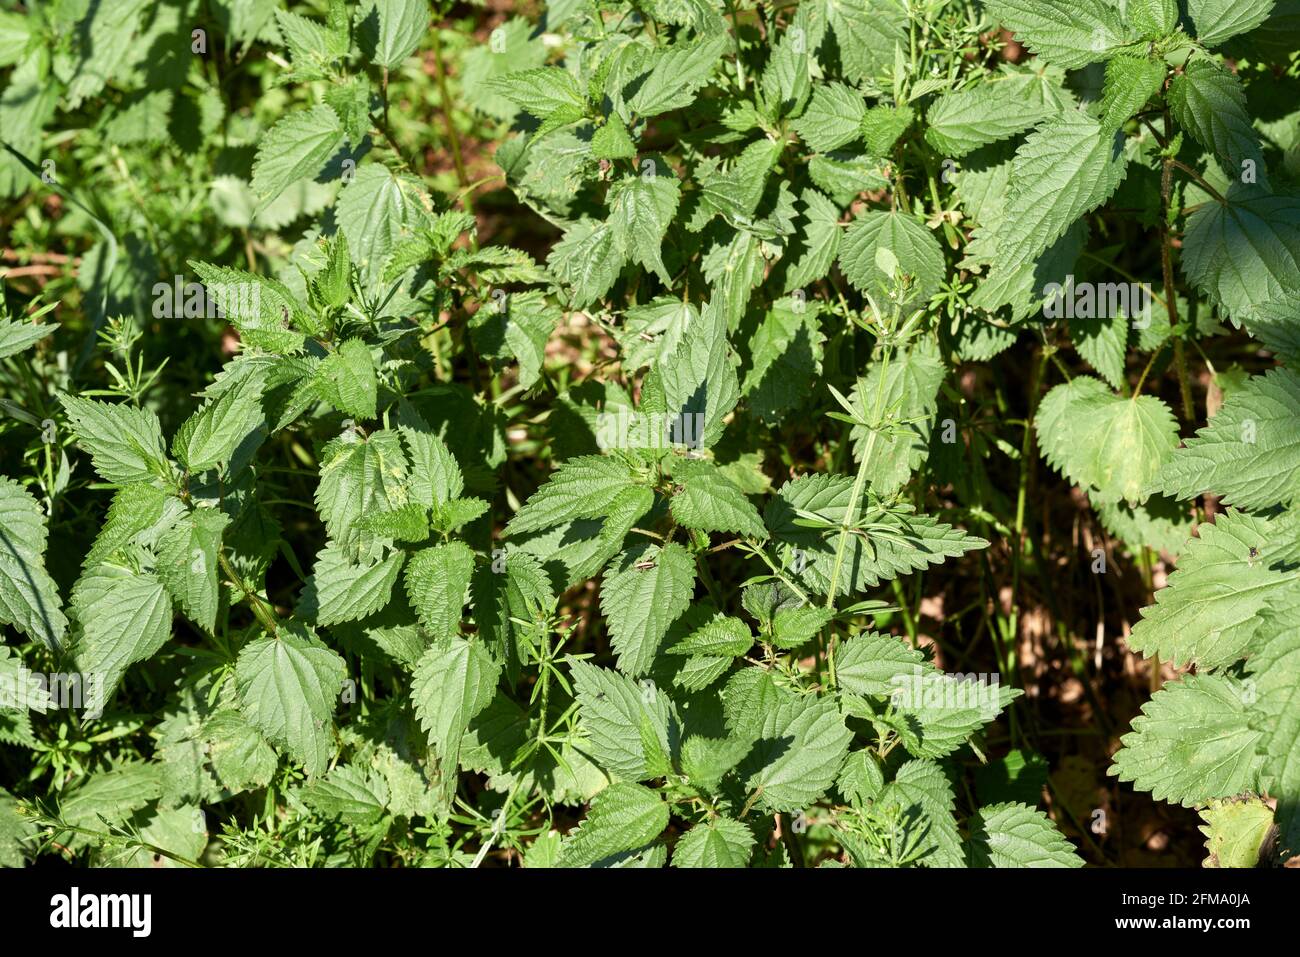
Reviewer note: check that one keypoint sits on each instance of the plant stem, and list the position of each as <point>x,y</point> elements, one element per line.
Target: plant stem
<point>440,74</point>
<point>1167,271</point>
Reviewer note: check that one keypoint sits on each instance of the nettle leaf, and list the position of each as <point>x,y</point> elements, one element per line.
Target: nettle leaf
<point>1016,835</point>
<point>187,564</point>
<point>518,329</point>
<point>1236,832</point>
<point>706,500</point>
<point>936,713</point>
<point>29,598</point>
<point>454,681</point>
<point>341,589</point>
<point>582,487</point>
<point>543,91</point>
<point>867,32</point>
<point>1208,101</point>
<point>1249,454</point>
<point>627,723</point>
<point>1130,82</point>
<point>908,388</point>
<point>802,741</point>
<point>698,382</point>
<point>786,354</point>
<point>1217,20</point>
<point>923,794</point>
<point>645,589</point>
<point>125,617</point>
<point>1070,37</point>
<point>125,443</point>
<point>818,241</point>
<point>871,663</point>
<point>1192,743</point>
<point>1067,167</point>
<point>347,794</point>
<point>210,437</point>
<point>437,582</point>
<point>393,29</point>
<point>1275,680</point>
<point>1111,445</point>
<point>16,337</point>
<point>718,842</point>
<point>674,75</point>
<point>1244,254</point>
<point>357,477</point>
<point>296,148</point>
<point>377,211</point>
<point>588,260</point>
<point>915,253</point>
<point>622,818</point>
<point>346,379</point>
<point>1153,19</point>
<point>641,207</point>
<point>997,108</point>
<point>288,684</point>
<point>833,117</point>
<point>1208,613</point>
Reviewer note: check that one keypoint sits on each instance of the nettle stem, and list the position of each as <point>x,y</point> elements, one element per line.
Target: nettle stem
<point>1167,270</point>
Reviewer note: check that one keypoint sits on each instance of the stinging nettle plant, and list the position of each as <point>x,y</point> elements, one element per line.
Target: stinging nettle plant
<point>613,551</point>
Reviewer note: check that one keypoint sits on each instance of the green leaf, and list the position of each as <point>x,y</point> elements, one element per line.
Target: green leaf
<point>359,477</point>
<point>125,617</point>
<point>1192,742</point>
<point>1067,167</point>
<point>1130,82</point>
<point>1153,19</point>
<point>997,108</point>
<point>641,207</point>
<point>611,141</point>
<point>923,793</point>
<point>802,742</point>
<point>1016,835</point>
<point>1236,832</point>
<point>675,74</point>
<point>707,501</point>
<point>870,663</point>
<point>1111,445</point>
<point>437,580</point>
<point>698,381</point>
<point>582,487</point>
<point>341,589</point>
<point>376,211</point>
<point>1274,680</point>
<point>1249,454</point>
<point>187,564</point>
<point>1208,612</point>
<point>793,627</point>
<point>833,117</point>
<point>644,591</point>
<point>346,379</point>
<point>1244,254</point>
<point>288,685</point>
<point>909,392</point>
<point>627,723</point>
<point>718,842</point>
<point>915,251</point>
<point>239,754</point>
<point>400,26</point>
<point>1071,37</point>
<point>623,817</point>
<point>16,337</point>
<point>587,259</point>
<point>1217,20</point>
<point>296,148</point>
<point>29,598</point>
<point>721,635</point>
<point>347,794</point>
<point>209,438</point>
<point>936,713</point>
<point>543,91</point>
<point>125,443</point>
<point>452,684</point>
<point>1208,101</point>
<point>867,32</point>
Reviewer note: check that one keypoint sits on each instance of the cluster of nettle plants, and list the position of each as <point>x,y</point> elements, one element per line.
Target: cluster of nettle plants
<point>801,213</point>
